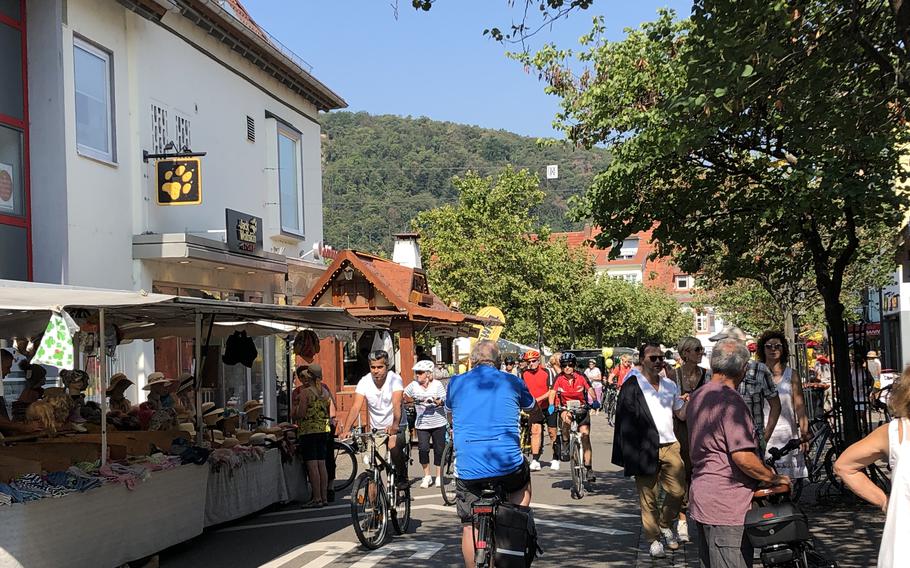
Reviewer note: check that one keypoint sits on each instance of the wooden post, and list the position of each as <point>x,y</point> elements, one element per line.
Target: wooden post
<point>406,352</point>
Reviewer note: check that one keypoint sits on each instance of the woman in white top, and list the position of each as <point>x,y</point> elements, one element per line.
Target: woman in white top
<point>774,352</point>
<point>892,442</point>
<point>595,377</point>
<point>429,397</point>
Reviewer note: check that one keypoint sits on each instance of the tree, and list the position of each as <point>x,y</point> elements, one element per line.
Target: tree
<point>614,312</point>
<point>489,249</point>
<point>751,135</point>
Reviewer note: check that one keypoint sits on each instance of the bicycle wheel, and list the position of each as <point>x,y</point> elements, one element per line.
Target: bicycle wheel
<point>401,509</point>
<point>831,457</point>
<point>484,545</point>
<point>796,488</point>
<point>448,474</point>
<point>369,511</point>
<point>526,440</point>
<point>879,478</point>
<point>578,473</point>
<point>345,466</point>
<point>611,408</point>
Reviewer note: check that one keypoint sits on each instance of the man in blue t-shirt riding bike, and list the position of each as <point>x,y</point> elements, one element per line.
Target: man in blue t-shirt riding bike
<point>485,404</point>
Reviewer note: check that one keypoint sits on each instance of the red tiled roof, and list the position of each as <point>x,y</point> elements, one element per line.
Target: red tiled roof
<point>244,18</point>
<point>394,282</point>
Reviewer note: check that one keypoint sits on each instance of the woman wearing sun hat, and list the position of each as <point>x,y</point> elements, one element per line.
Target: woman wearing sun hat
<point>429,396</point>
<point>311,414</point>
<point>117,402</point>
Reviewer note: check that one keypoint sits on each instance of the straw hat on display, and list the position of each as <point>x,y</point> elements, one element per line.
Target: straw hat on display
<point>872,355</point>
<point>157,378</point>
<point>186,382</point>
<point>187,427</point>
<point>244,436</point>
<point>212,416</point>
<point>206,406</point>
<point>230,442</point>
<point>217,438</point>
<point>258,439</point>
<point>118,382</point>
<point>252,410</point>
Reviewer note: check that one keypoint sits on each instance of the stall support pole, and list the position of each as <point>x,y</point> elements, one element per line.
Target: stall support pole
<point>198,377</point>
<point>102,381</point>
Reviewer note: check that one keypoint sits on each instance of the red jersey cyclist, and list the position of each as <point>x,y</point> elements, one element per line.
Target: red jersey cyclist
<point>571,386</point>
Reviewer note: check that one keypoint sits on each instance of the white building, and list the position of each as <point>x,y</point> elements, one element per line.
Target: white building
<point>105,81</point>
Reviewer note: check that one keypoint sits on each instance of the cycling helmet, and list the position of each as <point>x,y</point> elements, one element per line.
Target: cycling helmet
<point>509,360</point>
<point>532,354</point>
<point>568,359</point>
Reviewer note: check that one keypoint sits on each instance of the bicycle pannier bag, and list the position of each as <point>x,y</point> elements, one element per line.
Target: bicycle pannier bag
<point>516,536</point>
<point>776,524</point>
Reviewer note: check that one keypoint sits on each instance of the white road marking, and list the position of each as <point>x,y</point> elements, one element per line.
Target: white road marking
<point>423,551</point>
<point>332,551</point>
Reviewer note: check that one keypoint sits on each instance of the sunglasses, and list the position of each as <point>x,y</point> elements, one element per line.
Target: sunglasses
<point>774,346</point>
<point>568,364</point>
<point>698,349</point>
<point>533,360</point>
<point>655,358</point>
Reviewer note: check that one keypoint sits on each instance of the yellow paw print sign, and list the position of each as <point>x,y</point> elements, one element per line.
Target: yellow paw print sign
<point>179,181</point>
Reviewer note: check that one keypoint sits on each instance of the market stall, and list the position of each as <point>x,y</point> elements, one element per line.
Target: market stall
<point>172,475</point>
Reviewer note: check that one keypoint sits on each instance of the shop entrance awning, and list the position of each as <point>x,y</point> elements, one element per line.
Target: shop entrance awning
<point>26,306</point>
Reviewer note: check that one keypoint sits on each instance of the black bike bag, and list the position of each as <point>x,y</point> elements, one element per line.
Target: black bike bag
<point>516,536</point>
<point>781,523</point>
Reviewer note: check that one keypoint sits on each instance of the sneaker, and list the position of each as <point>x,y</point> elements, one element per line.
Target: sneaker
<point>682,531</point>
<point>672,543</point>
<point>427,481</point>
<point>438,482</point>
<point>534,465</point>
<point>591,477</point>
<point>657,550</point>
<point>554,465</point>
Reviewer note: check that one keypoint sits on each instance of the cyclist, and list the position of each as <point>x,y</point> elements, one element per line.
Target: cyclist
<point>522,364</point>
<point>485,404</point>
<point>571,385</point>
<point>508,364</point>
<point>382,390</point>
<point>537,379</point>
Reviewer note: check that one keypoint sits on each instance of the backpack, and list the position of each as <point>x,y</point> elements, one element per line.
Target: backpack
<point>516,536</point>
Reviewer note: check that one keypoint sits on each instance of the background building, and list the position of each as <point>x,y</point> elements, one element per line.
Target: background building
<point>107,82</point>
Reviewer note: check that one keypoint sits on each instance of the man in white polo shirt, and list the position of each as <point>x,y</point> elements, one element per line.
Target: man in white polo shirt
<point>646,447</point>
<point>382,390</point>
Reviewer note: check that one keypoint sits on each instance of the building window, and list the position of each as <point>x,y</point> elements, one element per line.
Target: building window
<point>94,106</point>
<point>290,187</point>
<point>182,126</point>
<point>628,249</point>
<point>683,282</point>
<point>159,129</point>
<point>702,323</point>
<point>633,276</point>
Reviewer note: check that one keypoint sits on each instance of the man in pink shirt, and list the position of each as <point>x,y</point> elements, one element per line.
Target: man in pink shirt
<point>725,465</point>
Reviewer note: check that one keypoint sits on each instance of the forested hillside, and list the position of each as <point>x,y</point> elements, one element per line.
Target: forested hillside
<point>380,171</point>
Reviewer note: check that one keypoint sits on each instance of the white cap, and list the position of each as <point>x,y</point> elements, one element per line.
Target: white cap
<point>423,366</point>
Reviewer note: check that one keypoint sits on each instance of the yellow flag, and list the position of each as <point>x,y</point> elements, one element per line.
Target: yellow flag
<point>491,332</point>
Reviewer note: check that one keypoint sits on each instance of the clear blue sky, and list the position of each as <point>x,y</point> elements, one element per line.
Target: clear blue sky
<point>434,64</point>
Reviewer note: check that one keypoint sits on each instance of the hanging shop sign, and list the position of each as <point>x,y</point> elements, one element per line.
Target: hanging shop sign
<point>244,232</point>
<point>179,181</point>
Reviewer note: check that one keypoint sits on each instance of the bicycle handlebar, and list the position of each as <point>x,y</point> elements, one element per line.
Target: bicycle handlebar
<point>774,454</point>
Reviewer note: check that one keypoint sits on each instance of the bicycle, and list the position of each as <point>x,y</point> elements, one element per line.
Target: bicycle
<point>576,449</point>
<point>610,397</point>
<point>448,469</point>
<point>525,434</point>
<point>375,504</point>
<point>778,528</point>
<point>345,465</point>
<point>484,513</point>
<point>825,445</point>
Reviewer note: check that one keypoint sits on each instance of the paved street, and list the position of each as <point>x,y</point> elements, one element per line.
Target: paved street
<point>603,529</point>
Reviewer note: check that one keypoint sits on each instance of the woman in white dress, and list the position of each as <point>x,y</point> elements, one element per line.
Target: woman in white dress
<point>892,442</point>
<point>774,352</point>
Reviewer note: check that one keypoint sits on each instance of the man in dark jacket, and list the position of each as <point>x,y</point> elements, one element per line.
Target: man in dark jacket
<point>645,446</point>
